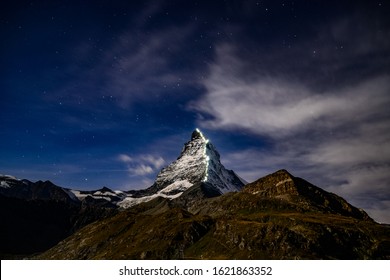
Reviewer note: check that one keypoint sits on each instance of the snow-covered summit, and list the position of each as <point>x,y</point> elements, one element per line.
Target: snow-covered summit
<point>199,161</point>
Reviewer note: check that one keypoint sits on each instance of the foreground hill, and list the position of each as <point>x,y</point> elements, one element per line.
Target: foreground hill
<point>276,217</point>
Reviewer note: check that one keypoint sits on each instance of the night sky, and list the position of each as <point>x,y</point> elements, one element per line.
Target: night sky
<point>105,93</point>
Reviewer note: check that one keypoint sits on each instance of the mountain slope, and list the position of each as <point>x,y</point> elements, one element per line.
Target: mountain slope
<point>276,217</point>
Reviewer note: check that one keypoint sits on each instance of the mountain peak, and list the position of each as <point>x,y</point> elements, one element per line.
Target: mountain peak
<point>198,162</point>
<point>278,183</point>
<point>283,171</point>
<point>197,134</point>
<point>283,186</point>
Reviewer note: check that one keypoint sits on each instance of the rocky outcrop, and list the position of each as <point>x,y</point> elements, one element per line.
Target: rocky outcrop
<point>307,197</point>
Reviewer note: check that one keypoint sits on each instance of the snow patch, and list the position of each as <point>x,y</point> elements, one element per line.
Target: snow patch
<point>78,194</point>
<point>4,184</point>
<point>71,194</point>
<point>99,193</point>
<point>180,185</point>
<point>109,196</point>
<point>282,182</point>
<point>9,177</point>
<point>131,201</point>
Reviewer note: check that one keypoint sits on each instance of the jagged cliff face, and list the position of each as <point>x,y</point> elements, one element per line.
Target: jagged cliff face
<point>198,162</point>
<point>190,166</point>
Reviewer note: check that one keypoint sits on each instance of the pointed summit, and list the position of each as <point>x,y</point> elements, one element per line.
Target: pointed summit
<point>198,162</point>
<point>197,134</point>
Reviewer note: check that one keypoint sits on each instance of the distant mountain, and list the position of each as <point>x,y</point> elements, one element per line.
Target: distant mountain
<point>278,216</point>
<point>104,197</point>
<point>36,216</point>
<point>27,190</point>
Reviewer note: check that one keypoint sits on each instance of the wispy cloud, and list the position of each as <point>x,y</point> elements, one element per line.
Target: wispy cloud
<point>140,72</point>
<point>276,106</point>
<point>338,137</point>
<point>141,165</point>
<point>138,64</point>
<point>141,170</point>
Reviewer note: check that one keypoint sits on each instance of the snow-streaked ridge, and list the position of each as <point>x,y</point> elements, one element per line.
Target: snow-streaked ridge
<point>177,188</point>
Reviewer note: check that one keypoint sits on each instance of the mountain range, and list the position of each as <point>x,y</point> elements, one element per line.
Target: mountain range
<point>196,209</point>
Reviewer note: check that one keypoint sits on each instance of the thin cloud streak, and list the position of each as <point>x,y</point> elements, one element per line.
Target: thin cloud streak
<point>141,165</point>
<point>277,107</point>
<point>138,65</point>
<point>337,138</point>
<point>142,72</point>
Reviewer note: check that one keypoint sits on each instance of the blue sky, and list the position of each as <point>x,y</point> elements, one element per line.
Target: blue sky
<point>105,93</point>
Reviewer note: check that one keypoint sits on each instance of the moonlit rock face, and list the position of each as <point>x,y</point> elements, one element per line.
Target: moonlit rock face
<point>198,162</point>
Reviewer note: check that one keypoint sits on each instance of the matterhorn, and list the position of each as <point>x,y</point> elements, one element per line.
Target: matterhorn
<point>199,162</point>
